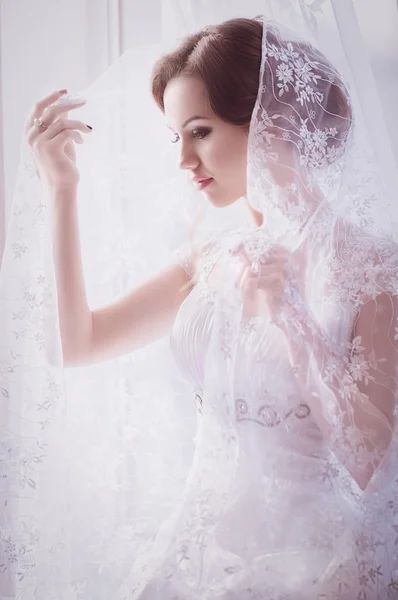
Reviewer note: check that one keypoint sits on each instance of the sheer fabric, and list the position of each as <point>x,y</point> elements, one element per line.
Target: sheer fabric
<point>253,454</point>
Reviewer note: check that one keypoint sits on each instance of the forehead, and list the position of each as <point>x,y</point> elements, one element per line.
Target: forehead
<point>185,97</point>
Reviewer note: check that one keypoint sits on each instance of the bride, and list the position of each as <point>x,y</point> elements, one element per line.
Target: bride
<point>284,326</point>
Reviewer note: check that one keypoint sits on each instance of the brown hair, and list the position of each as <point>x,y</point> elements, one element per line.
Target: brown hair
<point>232,49</point>
<point>227,59</point>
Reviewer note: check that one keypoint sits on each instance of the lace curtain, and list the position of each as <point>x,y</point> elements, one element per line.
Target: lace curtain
<point>35,437</point>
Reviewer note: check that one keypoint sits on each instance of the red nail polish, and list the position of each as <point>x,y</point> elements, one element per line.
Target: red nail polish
<point>63,91</point>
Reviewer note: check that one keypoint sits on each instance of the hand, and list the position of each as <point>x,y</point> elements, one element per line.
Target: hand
<point>277,272</point>
<point>53,146</point>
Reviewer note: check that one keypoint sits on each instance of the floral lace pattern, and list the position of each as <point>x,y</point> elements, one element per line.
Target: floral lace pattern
<point>345,367</point>
<point>286,485</point>
<point>349,370</point>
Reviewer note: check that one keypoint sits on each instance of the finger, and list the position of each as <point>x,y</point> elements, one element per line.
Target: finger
<point>42,104</point>
<point>279,251</point>
<point>62,107</point>
<point>241,276</point>
<point>277,267</point>
<point>248,284</point>
<point>70,134</point>
<point>243,283</point>
<point>278,261</point>
<point>243,279</point>
<point>54,112</point>
<point>240,267</point>
<point>271,283</point>
<point>237,249</point>
<point>254,270</point>
<point>263,271</point>
<point>250,287</point>
<point>279,248</point>
<point>55,129</point>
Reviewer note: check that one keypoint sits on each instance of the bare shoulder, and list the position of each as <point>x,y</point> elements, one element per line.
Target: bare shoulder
<point>191,259</point>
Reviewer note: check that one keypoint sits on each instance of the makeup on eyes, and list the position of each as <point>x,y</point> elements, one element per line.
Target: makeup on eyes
<point>198,132</point>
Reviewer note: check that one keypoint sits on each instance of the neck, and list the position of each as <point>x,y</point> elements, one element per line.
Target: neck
<point>256,217</point>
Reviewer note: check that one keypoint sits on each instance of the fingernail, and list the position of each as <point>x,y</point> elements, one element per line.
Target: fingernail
<point>63,91</point>
<point>89,126</point>
<point>71,99</point>
<point>254,268</point>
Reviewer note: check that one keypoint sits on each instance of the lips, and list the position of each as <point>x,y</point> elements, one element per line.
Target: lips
<point>201,184</point>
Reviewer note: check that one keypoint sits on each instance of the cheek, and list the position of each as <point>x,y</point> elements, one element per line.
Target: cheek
<point>229,156</point>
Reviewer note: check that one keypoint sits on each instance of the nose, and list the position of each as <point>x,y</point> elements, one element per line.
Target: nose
<point>188,158</point>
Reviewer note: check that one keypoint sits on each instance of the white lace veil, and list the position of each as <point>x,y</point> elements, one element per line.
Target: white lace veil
<point>110,476</point>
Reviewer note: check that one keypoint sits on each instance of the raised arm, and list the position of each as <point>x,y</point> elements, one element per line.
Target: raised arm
<point>139,318</point>
<point>142,316</point>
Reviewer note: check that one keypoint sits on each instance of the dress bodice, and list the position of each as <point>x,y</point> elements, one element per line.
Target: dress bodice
<point>258,370</point>
<point>283,514</point>
<point>280,444</point>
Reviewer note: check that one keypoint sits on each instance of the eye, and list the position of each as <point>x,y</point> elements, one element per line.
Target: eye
<point>198,134</point>
<point>201,133</point>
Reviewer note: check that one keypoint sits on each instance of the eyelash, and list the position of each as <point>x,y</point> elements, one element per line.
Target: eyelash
<point>199,134</point>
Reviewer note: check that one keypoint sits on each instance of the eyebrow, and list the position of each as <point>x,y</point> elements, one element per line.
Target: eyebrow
<point>189,120</point>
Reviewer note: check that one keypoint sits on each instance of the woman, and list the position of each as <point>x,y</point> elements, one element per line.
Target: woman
<point>286,329</point>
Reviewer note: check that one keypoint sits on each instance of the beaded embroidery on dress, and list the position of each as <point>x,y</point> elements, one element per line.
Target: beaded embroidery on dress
<point>271,474</point>
<point>292,487</point>
<point>285,531</point>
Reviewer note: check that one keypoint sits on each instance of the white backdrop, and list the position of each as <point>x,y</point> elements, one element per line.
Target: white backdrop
<point>46,45</point>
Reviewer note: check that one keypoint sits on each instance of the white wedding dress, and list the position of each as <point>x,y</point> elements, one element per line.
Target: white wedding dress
<point>284,534</point>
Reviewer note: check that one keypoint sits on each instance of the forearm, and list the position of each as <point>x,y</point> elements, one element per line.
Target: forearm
<point>303,350</point>
<point>356,429</point>
<point>74,314</point>
<point>322,372</point>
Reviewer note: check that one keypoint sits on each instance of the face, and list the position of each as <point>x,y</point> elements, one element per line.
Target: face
<point>209,149</point>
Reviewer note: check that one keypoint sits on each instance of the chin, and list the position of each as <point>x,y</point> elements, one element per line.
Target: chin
<point>222,200</point>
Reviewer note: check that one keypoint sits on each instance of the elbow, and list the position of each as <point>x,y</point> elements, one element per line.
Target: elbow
<point>58,362</point>
<point>375,472</point>
<point>363,479</point>
<point>62,358</point>
<point>367,463</point>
